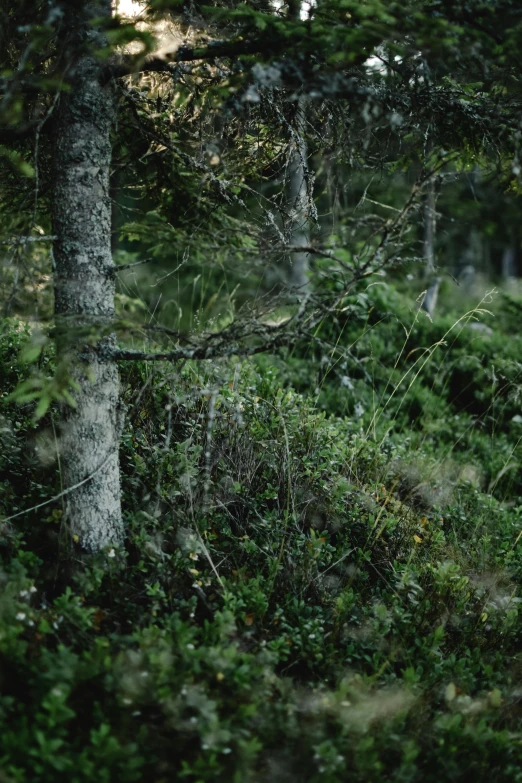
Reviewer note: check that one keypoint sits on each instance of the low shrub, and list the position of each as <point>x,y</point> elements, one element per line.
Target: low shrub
<point>303,595</point>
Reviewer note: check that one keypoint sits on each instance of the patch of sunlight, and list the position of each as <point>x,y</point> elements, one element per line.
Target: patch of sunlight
<point>127,8</point>
<point>168,35</point>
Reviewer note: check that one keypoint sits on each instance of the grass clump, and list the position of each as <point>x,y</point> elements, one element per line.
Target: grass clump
<point>310,591</point>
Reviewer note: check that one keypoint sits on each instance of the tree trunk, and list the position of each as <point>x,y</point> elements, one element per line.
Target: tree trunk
<point>430,222</point>
<point>430,299</point>
<point>84,292</point>
<point>509,262</point>
<point>430,225</point>
<point>298,228</point>
<point>297,192</point>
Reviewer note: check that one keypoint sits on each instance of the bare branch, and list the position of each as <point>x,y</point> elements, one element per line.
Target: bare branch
<point>60,494</point>
<point>202,352</point>
<point>123,267</point>
<point>315,251</point>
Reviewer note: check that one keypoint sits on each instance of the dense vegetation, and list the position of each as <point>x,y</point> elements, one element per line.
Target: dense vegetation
<point>260,490</point>
<point>320,581</point>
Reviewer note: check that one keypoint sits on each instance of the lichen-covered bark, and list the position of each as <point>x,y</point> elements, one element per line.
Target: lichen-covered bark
<point>84,290</point>
<point>297,277</point>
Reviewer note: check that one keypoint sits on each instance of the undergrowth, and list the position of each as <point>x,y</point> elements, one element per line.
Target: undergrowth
<point>320,581</point>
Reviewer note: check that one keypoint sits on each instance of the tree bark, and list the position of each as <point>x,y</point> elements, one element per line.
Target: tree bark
<point>430,299</point>
<point>509,262</point>
<point>297,190</point>
<point>84,289</point>
<point>298,229</point>
<point>430,226</point>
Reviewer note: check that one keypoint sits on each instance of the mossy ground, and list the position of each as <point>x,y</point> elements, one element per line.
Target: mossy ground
<point>321,578</point>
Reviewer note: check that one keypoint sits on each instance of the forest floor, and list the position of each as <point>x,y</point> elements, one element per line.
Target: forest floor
<point>321,578</point>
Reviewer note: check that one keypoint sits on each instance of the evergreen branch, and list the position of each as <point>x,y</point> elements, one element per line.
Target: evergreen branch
<point>125,65</point>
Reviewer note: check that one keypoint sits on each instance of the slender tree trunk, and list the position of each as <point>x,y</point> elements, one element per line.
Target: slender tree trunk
<point>298,229</point>
<point>430,300</point>
<point>430,225</point>
<point>84,291</point>
<point>297,191</point>
<point>509,262</point>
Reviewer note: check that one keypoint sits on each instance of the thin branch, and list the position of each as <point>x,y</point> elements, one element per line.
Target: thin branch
<point>318,252</point>
<point>228,342</point>
<point>202,352</point>
<point>60,494</point>
<point>123,267</point>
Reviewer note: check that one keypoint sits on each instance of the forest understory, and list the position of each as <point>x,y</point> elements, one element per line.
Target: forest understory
<point>320,580</point>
